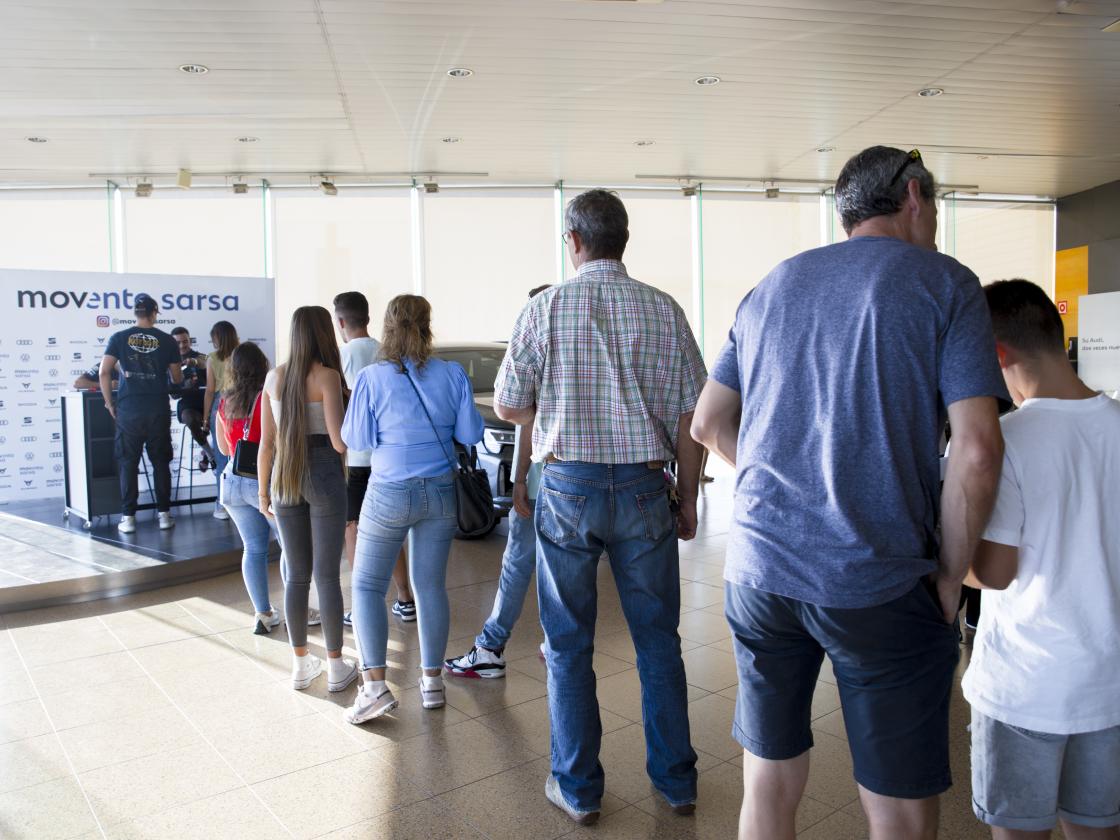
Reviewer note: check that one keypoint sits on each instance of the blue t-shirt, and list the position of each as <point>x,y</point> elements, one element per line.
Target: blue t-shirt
<point>144,354</point>
<point>385,417</point>
<point>846,358</point>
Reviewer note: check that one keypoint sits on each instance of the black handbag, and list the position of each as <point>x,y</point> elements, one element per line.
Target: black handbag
<point>475,508</point>
<point>245,453</point>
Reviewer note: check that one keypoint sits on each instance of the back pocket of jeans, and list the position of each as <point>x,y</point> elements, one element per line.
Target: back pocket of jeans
<point>656,514</point>
<point>390,506</point>
<point>559,514</point>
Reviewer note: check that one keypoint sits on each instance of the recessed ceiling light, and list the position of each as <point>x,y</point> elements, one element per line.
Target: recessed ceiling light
<point>36,139</point>
<point>824,149</point>
<point>452,139</point>
<point>460,72</point>
<point>708,80</point>
<point>981,157</point>
<point>194,69</point>
<point>247,139</point>
<point>931,91</point>
<point>643,142</point>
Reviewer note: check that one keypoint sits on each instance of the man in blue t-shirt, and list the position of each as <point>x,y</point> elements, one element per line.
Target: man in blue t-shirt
<point>147,357</point>
<point>828,399</point>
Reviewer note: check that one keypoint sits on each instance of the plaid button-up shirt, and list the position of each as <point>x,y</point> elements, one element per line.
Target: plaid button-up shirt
<point>610,364</point>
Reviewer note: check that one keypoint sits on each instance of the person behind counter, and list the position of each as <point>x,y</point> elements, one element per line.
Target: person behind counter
<point>147,357</point>
<point>223,335</point>
<point>191,407</point>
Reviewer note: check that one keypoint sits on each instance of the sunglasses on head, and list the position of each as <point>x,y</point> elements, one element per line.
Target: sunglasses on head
<point>913,156</point>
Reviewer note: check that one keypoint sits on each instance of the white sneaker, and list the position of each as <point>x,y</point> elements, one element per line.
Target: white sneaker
<point>304,670</point>
<point>340,673</point>
<point>556,797</point>
<point>166,521</point>
<point>266,621</point>
<point>477,662</point>
<point>127,525</point>
<point>220,513</point>
<point>313,618</point>
<point>374,700</point>
<point>431,692</point>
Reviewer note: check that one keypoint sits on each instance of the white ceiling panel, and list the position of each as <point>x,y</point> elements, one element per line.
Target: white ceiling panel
<point>562,88</point>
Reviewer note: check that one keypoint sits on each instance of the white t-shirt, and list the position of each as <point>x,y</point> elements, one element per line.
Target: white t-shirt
<point>1046,655</point>
<point>357,353</point>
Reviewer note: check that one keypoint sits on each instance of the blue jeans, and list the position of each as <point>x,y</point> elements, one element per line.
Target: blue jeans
<point>220,460</point>
<point>239,496</point>
<point>518,563</point>
<point>583,510</point>
<point>423,510</point>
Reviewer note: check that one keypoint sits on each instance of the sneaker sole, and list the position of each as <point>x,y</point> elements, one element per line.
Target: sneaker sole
<point>475,675</point>
<point>576,817</point>
<point>300,685</point>
<point>428,705</point>
<point>342,686</point>
<point>384,710</point>
<point>405,617</point>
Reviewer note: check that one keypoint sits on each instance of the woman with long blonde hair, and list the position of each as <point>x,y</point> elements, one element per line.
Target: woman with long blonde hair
<point>302,482</point>
<point>223,335</point>
<point>409,409</point>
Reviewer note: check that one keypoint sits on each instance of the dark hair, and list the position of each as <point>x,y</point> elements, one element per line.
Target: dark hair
<point>599,217</point>
<point>353,308</point>
<point>144,304</point>
<point>225,339</point>
<point>534,292</point>
<point>864,189</point>
<point>248,367</point>
<point>180,331</point>
<point>1024,317</point>
<point>407,333</point>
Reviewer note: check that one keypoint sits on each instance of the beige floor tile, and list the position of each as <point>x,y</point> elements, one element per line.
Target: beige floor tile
<point>697,595</point>
<point>91,672</point>
<point>144,786</point>
<point>480,697</point>
<point>121,739</point>
<point>195,683</point>
<point>826,699</point>
<point>188,653</point>
<point>530,722</point>
<point>15,685</point>
<point>158,630</point>
<point>836,826</point>
<point>427,820</point>
<point>710,720</point>
<point>710,668</point>
<point>23,719</point>
<point>832,724</point>
<point>603,664</point>
<point>31,761</point>
<point>826,672</point>
<point>408,720</point>
<point>623,755</point>
<point>830,772</point>
<point>40,647</point>
<point>719,793</point>
<point>247,707</point>
<point>631,823</point>
<point>619,645</point>
<point>108,701</point>
<point>621,693</point>
<point>511,805</point>
<point>445,759</point>
<point>280,747</point>
<point>233,815</point>
<point>703,628</point>
<point>54,809</point>
<point>331,796</point>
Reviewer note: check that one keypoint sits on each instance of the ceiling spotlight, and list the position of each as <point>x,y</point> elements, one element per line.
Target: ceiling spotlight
<point>240,188</point>
<point>36,139</point>
<point>452,139</point>
<point>771,190</point>
<point>247,139</point>
<point>194,69</point>
<point>460,72</point>
<point>825,149</point>
<point>144,189</point>
<point>643,142</point>
<point>327,186</point>
<point>927,92</point>
<point>708,80</point>
<point>431,187</point>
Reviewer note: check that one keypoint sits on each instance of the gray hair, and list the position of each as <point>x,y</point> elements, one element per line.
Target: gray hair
<point>864,189</point>
<point>599,217</point>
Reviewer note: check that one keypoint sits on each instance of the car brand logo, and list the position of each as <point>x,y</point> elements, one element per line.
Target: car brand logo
<point>52,341</point>
<point>25,357</point>
<point>52,357</point>
<point>24,342</point>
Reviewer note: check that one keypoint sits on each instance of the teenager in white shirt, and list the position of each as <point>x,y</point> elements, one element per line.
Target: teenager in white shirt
<point>359,349</point>
<point>1044,680</point>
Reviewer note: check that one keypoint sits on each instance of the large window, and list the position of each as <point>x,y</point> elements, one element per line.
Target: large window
<point>1001,240</point>
<point>59,230</point>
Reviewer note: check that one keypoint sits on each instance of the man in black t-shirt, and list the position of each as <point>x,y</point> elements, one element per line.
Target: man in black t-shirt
<point>190,394</point>
<point>147,357</point>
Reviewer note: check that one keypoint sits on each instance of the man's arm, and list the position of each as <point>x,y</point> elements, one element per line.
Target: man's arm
<point>994,566</point>
<point>715,423</point>
<point>105,379</point>
<point>521,471</point>
<point>520,416</point>
<point>176,371</point>
<point>969,492</point>
<point>689,454</point>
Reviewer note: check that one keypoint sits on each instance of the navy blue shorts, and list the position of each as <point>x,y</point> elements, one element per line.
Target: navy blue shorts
<point>894,666</point>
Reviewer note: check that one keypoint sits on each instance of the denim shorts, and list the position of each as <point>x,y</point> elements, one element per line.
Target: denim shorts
<point>894,666</point>
<point>1025,780</point>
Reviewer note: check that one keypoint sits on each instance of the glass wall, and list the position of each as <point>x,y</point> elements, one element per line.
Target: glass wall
<point>1001,240</point>
<point>61,230</point>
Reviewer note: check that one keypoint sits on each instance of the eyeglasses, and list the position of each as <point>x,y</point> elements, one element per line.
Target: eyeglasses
<point>566,237</point>
<point>913,156</point>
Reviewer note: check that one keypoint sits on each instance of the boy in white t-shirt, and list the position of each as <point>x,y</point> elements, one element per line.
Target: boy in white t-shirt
<point>1044,680</point>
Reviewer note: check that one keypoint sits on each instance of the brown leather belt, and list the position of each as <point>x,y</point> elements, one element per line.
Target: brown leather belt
<point>653,465</point>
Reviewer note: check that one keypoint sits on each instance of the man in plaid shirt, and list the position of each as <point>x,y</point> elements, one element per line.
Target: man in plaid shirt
<point>608,372</point>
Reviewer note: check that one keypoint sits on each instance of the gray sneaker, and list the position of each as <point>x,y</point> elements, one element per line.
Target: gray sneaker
<point>556,797</point>
<point>368,706</point>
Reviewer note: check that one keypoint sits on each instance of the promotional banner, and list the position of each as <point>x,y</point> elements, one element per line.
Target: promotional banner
<point>1098,341</point>
<point>54,325</point>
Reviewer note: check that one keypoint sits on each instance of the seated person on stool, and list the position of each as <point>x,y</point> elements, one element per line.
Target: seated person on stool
<point>90,380</point>
<point>189,410</point>
<point>147,356</point>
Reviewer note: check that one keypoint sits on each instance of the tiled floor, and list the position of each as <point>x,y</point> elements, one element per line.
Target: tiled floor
<point>160,715</point>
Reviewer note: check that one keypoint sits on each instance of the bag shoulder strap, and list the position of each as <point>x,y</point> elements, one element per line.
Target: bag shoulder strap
<point>247,428</point>
<point>454,464</point>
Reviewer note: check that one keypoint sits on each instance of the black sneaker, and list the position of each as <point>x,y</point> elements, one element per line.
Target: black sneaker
<point>405,610</point>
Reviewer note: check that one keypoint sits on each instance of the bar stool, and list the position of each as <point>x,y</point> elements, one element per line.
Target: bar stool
<point>191,468</point>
